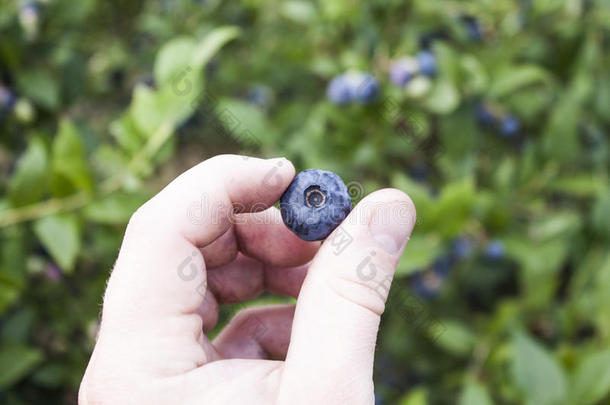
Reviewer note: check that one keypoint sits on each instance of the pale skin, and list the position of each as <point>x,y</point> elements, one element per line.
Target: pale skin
<point>177,264</point>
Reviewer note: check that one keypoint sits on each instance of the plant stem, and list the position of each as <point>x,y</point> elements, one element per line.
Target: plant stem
<point>81,199</point>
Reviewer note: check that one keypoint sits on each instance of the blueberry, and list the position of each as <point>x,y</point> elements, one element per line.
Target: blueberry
<point>461,248</point>
<point>28,17</point>
<point>7,99</point>
<point>484,115</point>
<point>353,86</point>
<point>261,96</point>
<point>420,172</point>
<point>427,284</point>
<point>509,126</point>
<point>339,91</point>
<point>473,27</point>
<point>427,63</point>
<point>403,70</point>
<point>442,266</point>
<point>314,204</point>
<point>366,88</point>
<point>494,250</point>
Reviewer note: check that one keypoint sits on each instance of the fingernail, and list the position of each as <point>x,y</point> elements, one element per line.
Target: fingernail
<point>391,225</point>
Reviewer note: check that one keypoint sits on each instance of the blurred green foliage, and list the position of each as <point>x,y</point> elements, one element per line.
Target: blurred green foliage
<point>112,99</point>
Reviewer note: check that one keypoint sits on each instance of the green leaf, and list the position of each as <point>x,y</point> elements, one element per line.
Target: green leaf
<point>581,185</point>
<point>560,137</point>
<point>173,57</point>
<point>29,182</point>
<point>60,235</point>
<point>8,293</point>
<point>444,98</point>
<point>536,372</point>
<point>298,11</point>
<point>39,86</point>
<point>116,208</point>
<point>541,262</point>
<point>181,83</point>
<point>17,361</point>
<point>513,78</point>
<point>474,393</point>
<point>601,215</point>
<point>453,208</point>
<point>418,396</point>
<point>456,338</point>
<point>68,158</point>
<point>591,381</point>
<point>244,122</point>
<point>171,104</point>
<point>212,43</point>
<point>419,254</point>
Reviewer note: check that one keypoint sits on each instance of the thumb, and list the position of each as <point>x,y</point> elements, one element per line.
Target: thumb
<point>339,308</point>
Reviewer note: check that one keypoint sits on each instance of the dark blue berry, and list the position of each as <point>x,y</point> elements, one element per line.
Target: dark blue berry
<point>339,91</point>
<point>427,284</point>
<point>314,204</point>
<point>484,115</point>
<point>30,7</point>
<point>442,266</point>
<point>462,248</point>
<point>403,70</point>
<point>7,99</point>
<point>353,87</point>
<point>494,250</point>
<point>427,63</point>
<point>420,172</point>
<point>366,89</point>
<point>260,95</point>
<point>509,126</point>
<point>473,27</point>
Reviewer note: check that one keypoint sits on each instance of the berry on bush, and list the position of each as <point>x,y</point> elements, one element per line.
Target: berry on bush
<point>314,204</point>
<point>494,250</point>
<point>461,248</point>
<point>484,115</point>
<point>338,91</point>
<point>7,99</point>
<point>403,70</point>
<point>427,63</point>
<point>427,284</point>
<point>353,87</point>
<point>509,126</point>
<point>367,88</point>
<point>473,28</point>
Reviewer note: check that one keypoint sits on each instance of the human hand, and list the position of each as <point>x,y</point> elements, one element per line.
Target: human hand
<point>205,240</point>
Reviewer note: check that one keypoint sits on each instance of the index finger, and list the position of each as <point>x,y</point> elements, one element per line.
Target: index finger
<point>160,270</point>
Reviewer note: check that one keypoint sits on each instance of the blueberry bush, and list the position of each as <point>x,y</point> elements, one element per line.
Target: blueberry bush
<point>492,115</point>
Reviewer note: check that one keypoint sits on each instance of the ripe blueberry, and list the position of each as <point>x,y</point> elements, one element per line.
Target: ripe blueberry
<point>403,70</point>
<point>339,91</point>
<point>366,88</point>
<point>509,126</point>
<point>7,99</point>
<point>314,204</point>
<point>353,86</point>
<point>427,284</point>
<point>427,63</point>
<point>461,248</point>
<point>484,115</point>
<point>473,27</point>
<point>494,250</point>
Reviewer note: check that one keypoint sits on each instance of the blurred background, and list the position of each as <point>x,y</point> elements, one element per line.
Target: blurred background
<point>492,115</point>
